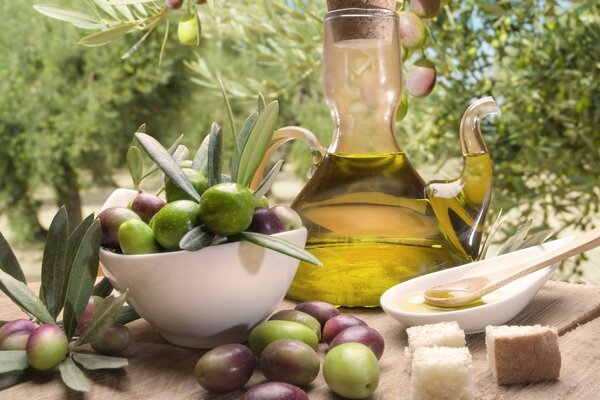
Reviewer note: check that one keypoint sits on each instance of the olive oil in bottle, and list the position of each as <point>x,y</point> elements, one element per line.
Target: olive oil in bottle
<point>370,225</point>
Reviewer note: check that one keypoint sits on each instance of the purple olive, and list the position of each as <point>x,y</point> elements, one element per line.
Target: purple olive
<point>290,361</point>
<point>46,347</point>
<point>146,205</point>
<point>88,314</point>
<point>288,217</point>
<point>337,324</point>
<point>275,391</point>
<point>425,8</point>
<point>361,334</point>
<point>265,221</point>
<point>110,221</point>
<point>420,78</point>
<point>174,4</point>
<point>411,30</point>
<point>321,310</point>
<point>299,316</point>
<point>14,334</point>
<point>116,339</point>
<point>225,368</point>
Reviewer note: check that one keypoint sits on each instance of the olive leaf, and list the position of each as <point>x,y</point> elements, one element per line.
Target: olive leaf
<point>535,239</point>
<point>73,376</point>
<point>242,139</point>
<point>166,163</point>
<point>91,361</point>
<point>215,152</point>
<point>171,150</point>
<point>9,262</point>
<point>127,315</point>
<point>108,35</point>
<point>281,246</point>
<point>54,263</point>
<point>236,147</point>
<point>490,237</point>
<point>142,128</point>
<point>81,278</point>
<point>135,164</point>
<point>261,102</point>
<point>180,154</point>
<point>77,18</point>
<point>103,288</point>
<point>106,314</point>
<point>72,246</point>
<point>24,297</point>
<point>267,182</point>
<point>200,161</point>
<point>13,360</point>
<point>196,239</point>
<point>517,239</point>
<point>257,143</point>
<point>12,378</point>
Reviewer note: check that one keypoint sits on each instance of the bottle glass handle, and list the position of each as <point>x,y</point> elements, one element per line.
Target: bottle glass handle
<point>287,134</point>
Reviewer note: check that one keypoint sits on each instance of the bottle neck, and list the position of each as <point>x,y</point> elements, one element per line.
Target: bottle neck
<point>363,82</point>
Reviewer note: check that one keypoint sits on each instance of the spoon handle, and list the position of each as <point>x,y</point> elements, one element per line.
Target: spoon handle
<point>580,244</point>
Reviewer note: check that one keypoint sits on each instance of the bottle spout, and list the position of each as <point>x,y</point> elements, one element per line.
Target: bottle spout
<point>462,204</point>
<point>471,140</point>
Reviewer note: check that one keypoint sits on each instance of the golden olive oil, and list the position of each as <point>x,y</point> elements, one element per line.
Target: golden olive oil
<point>371,225</point>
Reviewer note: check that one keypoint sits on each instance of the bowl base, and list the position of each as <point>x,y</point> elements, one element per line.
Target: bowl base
<point>206,342</point>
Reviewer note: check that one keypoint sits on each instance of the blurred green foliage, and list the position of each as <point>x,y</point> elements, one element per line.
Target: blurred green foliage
<point>64,106</point>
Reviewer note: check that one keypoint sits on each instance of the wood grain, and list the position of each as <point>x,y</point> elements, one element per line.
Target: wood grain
<point>159,370</point>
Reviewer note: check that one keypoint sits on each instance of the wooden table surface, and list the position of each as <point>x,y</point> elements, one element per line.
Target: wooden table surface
<point>159,370</point>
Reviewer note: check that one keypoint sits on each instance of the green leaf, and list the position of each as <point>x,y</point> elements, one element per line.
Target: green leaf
<point>236,148</point>
<point>72,246</point>
<point>281,246</point>
<point>127,315</point>
<point>181,153</point>
<point>257,143</point>
<point>166,163</point>
<point>517,239</point>
<point>9,262</point>
<point>13,360</point>
<point>135,164</point>
<point>535,239</point>
<point>491,8</point>
<point>82,277</point>
<point>73,376</point>
<point>77,18</point>
<point>196,239</point>
<point>54,263</point>
<point>135,48</point>
<point>12,378</point>
<point>242,139</point>
<point>24,297</point>
<point>103,4</point>
<point>215,151</point>
<point>106,36</point>
<point>103,288</point>
<point>200,162</point>
<point>171,150</point>
<point>261,102</point>
<point>103,318</point>
<point>267,182</point>
<point>142,128</point>
<point>92,362</point>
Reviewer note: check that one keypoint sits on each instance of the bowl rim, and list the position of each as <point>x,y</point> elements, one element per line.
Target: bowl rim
<point>117,256</point>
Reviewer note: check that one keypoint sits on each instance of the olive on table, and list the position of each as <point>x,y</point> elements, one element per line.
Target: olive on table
<point>269,331</point>
<point>14,334</point>
<point>88,313</point>
<point>225,368</point>
<point>321,310</point>
<point>351,370</point>
<point>361,334</point>
<point>116,340</point>
<point>46,347</point>
<point>337,324</point>
<point>290,361</point>
<point>275,391</point>
<point>301,317</point>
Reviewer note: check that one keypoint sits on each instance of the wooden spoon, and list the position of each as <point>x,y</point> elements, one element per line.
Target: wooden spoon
<point>465,291</point>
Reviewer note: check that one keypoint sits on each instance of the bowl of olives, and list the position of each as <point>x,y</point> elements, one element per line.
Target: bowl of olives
<point>202,298</point>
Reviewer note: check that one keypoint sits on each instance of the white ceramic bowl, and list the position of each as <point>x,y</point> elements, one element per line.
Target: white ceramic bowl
<point>500,306</point>
<point>205,298</point>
